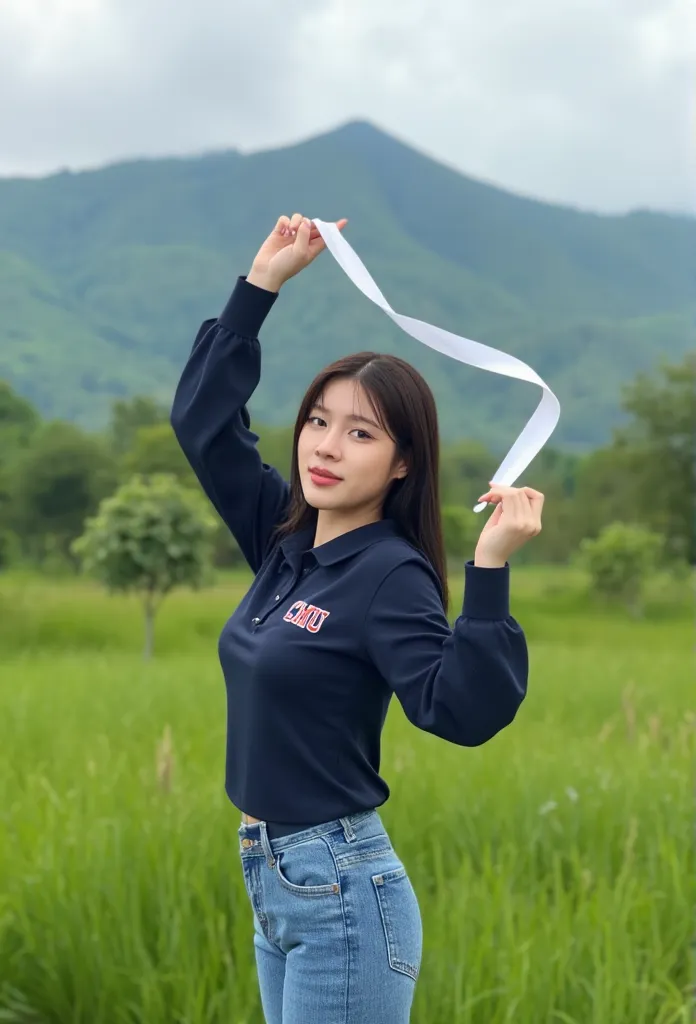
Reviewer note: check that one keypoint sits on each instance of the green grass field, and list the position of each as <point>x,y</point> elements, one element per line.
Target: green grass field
<point>554,866</point>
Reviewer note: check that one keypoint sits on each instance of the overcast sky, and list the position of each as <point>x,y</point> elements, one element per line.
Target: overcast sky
<point>588,102</point>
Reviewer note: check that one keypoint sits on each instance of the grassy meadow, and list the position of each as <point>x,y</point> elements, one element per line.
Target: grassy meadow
<point>554,866</point>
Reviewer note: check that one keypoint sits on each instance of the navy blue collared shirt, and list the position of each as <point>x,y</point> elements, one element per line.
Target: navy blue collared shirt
<point>326,636</point>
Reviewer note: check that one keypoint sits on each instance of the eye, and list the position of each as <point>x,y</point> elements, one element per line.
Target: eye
<point>369,436</point>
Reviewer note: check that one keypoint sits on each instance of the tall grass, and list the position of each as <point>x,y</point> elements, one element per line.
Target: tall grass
<point>553,865</point>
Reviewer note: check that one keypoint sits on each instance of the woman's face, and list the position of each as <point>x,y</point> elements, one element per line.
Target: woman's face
<point>345,439</point>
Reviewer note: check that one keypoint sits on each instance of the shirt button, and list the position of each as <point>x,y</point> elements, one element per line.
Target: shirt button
<point>277,597</point>
<point>255,622</point>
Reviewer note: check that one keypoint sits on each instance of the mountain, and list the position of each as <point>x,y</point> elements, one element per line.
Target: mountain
<point>105,276</point>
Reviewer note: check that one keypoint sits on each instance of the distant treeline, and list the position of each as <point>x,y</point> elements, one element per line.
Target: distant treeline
<point>53,474</point>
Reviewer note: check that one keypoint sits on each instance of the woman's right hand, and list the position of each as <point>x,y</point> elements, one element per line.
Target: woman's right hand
<point>291,246</point>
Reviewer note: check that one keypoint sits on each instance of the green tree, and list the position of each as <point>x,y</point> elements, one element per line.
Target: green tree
<point>17,416</point>
<point>663,439</point>
<point>461,528</point>
<point>54,484</point>
<point>554,473</point>
<point>149,537</point>
<point>620,560</point>
<point>19,422</point>
<point>275,446</point>
<point>8,548</point>
<point>155,449</point>
<point>128,416</point>
<point>465,470</point>
<point>648,472</point>
<point>608,486</point>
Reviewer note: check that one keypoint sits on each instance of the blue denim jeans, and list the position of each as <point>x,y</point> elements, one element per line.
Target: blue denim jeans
<point>338,935</point>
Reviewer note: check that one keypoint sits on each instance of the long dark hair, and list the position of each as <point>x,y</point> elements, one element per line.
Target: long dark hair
<point>405,407</point>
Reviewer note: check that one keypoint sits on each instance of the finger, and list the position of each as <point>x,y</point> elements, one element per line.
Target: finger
<point>522,512</point>
<point>496,493</point>
<point>282,225</point>
<point>316,245</point>
<point>340,224</point>
<point>529,522</point>
<point>537,504</point>
<point>316,242</point>
<point>517,504</point>
<point>494,518</point>
<point>500,490</point>
<point>301,244</point>
<point>295,222</point>
<point>536,499</point>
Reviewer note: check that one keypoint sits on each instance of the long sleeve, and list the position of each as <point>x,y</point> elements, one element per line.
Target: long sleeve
<point>211,421</point>
<point>465,683</point>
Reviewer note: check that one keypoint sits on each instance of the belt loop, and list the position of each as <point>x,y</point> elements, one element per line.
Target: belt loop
<point>347,830</point>
<point>266,843</point>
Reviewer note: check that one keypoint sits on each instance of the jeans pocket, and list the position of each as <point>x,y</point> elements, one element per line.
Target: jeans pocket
<point>401,920</point>
<point>308,869</point>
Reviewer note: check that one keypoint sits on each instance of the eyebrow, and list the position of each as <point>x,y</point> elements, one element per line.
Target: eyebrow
<point>353,418</point>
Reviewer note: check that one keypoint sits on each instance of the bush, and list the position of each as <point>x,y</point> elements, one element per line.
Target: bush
<point>9,549</point>
<point>461,529</point>
<point>620,560</point>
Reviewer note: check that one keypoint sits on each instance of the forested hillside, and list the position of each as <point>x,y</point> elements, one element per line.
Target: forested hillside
<point>105,276</point>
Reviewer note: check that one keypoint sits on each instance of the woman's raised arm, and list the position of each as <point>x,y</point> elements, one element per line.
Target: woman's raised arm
<point>209,413</point>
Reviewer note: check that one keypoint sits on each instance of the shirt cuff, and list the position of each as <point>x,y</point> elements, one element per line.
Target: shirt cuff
<point>486,592</point>
<point>247,308</point>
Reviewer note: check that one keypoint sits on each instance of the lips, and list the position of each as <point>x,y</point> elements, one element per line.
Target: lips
<point>324,474</point>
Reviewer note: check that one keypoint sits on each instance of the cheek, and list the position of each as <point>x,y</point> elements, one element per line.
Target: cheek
<point>376,466</point>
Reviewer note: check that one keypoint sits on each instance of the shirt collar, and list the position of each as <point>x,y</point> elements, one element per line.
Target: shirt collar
<point>333,551</point>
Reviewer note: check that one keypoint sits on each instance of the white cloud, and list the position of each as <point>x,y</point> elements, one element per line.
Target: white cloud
<point>583,102</point>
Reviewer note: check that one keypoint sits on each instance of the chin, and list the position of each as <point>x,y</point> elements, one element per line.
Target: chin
<point>315,503</point>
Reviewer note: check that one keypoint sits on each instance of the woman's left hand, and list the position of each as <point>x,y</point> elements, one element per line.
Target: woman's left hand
<point>516,519</point>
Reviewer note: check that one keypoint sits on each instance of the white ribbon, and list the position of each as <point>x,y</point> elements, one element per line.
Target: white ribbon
<point>544,418</point>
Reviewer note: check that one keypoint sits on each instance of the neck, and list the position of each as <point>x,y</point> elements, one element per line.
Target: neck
<point>332,524</point>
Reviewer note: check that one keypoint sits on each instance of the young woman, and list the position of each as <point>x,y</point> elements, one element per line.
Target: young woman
<point>347,608</point>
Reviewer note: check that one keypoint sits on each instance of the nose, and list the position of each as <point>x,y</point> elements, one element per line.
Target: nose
<point>329,445</point>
